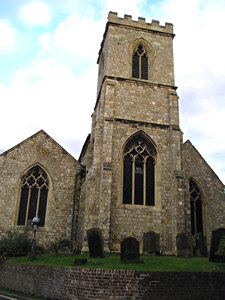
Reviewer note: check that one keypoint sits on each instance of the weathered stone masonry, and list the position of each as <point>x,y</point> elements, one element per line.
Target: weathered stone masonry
<point>89,193</point>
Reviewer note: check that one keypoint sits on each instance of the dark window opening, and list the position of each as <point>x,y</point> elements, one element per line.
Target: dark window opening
<point>196,208</point>
<point>33,197</point>
<point>127,179</point>
<point>139,189</point>
<point>150,181</point>
<point>135,66</point>
<point>140,63</point>
<point>139,172</point>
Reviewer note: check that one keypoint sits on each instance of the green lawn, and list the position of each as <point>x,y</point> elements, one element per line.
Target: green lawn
<point>112,261</point>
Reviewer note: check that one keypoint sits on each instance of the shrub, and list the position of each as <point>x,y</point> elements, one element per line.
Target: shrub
<point>221,248</point>
<point>15,243</point>
<point>64,246</point>
<point>2,258</point>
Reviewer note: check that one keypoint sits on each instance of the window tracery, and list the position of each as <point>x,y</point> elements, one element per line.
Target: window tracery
<point>139,172</point>
<point>140,63</point>
<point>33,197</point>
<point>196,208</point>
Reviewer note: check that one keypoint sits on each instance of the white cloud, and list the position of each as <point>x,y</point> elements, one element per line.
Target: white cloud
<point>56,101</point>
<point>200,73</point>
<point>124,7</point>
<point>8,36</point>
<point>78,36</point>
<point>35,13</point>
<point>51,92</point>
<point>44,43</point>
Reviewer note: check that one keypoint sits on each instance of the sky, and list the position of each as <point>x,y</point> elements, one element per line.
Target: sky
<point>48,54</point>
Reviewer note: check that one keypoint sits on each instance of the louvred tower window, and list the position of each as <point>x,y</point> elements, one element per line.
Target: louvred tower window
<point>33,197</point>
<point>140,63</point>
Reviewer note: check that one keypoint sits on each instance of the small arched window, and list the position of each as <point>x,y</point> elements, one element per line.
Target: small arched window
<point>139,171</point>
<point>33,196</point>
<point>140,63</point>
<point>196,208</point>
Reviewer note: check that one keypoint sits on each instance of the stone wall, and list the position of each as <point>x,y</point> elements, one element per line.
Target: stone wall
<point>212,189</point>
<point>60,167</point>
<point>124,106</point>
<point>67,283</point>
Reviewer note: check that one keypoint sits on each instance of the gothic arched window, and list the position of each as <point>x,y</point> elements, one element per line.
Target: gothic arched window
<point>196,208</point>
<point>139,171</point>
<point>33,196</point>
<point>140,63</point>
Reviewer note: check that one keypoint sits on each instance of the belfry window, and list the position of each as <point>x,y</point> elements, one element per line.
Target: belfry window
<point>140,63</point>
<point>33,196</point>
<point>196,208</point>
<point>139,171</point>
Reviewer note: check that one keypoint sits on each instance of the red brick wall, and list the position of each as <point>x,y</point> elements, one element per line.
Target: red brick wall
<point>77,283</point>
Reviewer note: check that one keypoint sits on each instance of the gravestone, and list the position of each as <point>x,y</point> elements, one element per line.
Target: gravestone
<point>151,243</point>
<point>95,242</point>
<point>199,245</point>
<point>130,250</point>
<point>183,245</point>
<point>215,239</point>
<point>65,247</point>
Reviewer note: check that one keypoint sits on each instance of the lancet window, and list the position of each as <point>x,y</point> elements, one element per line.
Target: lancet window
<point>33,196</point>
<point>196,208</point>
<point>139,171</point>
<point>140,63</point>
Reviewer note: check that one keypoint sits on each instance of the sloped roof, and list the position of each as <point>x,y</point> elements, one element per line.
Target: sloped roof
<point>35,135</point>
<point>188,142</point>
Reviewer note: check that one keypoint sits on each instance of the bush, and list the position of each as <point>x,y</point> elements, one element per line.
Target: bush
<point>15,243</point>
<point>64,246</point>
<point>2,258</point>
<point>221,248</point>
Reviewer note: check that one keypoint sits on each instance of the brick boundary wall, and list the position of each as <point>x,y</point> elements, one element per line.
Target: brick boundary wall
<point>81,283</point>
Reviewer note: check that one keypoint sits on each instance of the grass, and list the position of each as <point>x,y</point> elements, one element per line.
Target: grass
<point>112,261</point>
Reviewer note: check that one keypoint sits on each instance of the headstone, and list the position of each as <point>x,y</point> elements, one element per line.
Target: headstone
<point>215,239</point>
<point>199,245</point>
<point>130,250</point>
<point>65,247</point>
<point>183,245</point>
<point>95,242</point>
<point>151,243</point>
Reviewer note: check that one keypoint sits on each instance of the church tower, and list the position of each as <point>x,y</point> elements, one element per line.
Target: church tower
<point>134,180</point>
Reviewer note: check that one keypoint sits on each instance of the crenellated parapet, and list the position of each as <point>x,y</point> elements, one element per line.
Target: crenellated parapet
<point>141,23</point>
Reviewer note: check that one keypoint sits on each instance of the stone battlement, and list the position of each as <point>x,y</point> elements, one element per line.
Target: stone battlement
<point>141,23</point>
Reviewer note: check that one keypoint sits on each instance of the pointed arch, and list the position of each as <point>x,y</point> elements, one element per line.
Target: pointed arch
<point>33,195</point>
<point>139,158</point>
<point>141,51</point>
<point>196,207</point>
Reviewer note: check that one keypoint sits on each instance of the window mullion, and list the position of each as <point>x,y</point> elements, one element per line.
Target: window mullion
<point>139,66</point>
<point>28,205</point>
<point>195,216</point>
<point>38,201</point>
<point>133,180</point>
<point>144,181</point>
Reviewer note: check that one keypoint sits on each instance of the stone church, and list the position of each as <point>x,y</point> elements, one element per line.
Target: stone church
<point>134,174</point>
